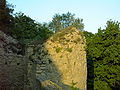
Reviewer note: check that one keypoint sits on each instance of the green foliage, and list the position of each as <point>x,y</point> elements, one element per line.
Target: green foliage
<point>73,87</point>
<point>89,36</point>
<point>90,67</point>
<point>43,32</point>
<point>104,51</point>
<point>58,49</point>
<point>26,29</point>
<point>60,22</point>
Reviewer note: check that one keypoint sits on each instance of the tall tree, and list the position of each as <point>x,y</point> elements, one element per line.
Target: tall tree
<point>105,53</point>
<point>5,16</point>
<point>65,20</point>
<point>90,64</point>
<point>26,29</point>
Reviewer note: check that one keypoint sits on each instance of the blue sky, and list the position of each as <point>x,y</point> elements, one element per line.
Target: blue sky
<point>95,13</point>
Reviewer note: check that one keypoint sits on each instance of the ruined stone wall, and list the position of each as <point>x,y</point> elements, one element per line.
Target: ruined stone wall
<point>62,61</point>
<point>13,66</point>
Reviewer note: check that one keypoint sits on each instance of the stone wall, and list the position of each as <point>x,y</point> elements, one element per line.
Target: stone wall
<point>13,66</point>
<point>57,64</point>
<point>62,61</point>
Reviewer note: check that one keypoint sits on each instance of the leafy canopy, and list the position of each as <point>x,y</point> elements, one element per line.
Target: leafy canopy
<point>60,22</point>
<point>26,29</point>
<point>104,51</point>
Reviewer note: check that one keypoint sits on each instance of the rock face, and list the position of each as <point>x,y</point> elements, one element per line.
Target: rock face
<point>63,60</point>
<point>13,66</point>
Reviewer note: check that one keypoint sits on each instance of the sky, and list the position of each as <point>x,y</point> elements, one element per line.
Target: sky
<point>95,13</point>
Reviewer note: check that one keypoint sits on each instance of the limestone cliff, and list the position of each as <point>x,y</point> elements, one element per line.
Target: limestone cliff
<point>63,60</point>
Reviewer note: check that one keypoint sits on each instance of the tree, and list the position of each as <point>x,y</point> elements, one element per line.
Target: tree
<point>26,29</point>
<point>90,65</point>
<point>105,53</point>
<point>60,22</point>
<point>5,16</point>
<point>2,11</point>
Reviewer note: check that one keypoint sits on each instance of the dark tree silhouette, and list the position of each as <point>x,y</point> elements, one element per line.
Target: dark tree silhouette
<point>2,13</point>
<point>5,16</point>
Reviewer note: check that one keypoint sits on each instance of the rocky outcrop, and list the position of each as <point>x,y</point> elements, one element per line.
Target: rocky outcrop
<point>62,60</point>
<point>13,66</point>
